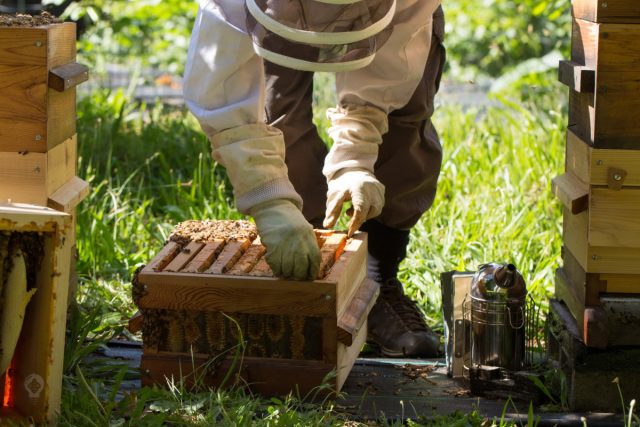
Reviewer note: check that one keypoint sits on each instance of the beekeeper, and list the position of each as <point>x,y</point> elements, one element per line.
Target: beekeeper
<point>249,81</point>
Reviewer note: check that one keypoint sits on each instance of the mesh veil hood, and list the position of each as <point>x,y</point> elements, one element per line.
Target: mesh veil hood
<point>319,35</point>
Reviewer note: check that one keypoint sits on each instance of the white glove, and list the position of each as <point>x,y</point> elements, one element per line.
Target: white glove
<point>292,248</point>
<point>254,158</point>
<point>364,191</point>
<point>357,133</point>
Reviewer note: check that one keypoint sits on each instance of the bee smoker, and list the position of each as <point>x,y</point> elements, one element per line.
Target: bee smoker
<point>496,313</point>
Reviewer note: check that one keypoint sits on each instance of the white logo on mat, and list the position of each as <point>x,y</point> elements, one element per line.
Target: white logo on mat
<point>34,384</point>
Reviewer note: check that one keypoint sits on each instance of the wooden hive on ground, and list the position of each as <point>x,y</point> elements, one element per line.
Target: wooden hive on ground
<point>598,286</point>
<point>210,289</point>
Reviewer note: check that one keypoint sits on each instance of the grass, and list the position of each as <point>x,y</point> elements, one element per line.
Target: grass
<point>149,168</point>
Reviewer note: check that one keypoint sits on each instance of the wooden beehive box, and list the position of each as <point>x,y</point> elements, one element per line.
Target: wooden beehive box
<point>601,194</point>
<point>604,77</point>
<point>199,299</point>
<point>609,11</point>
<point>30,389</point>
<point>38,144</point>
<point>38,75</point>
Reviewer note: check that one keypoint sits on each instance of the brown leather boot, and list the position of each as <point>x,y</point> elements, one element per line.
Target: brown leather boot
<point>397,326</point>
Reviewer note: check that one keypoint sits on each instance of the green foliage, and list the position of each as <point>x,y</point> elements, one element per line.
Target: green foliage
<point>488,37</point>
<point>153,32</point>
<point>485,37</point>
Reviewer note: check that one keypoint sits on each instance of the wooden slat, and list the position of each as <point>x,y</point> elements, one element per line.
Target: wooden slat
<point>249,259</point>
<point>61,116</point>
<point>61,107</point>
<point>605,47</point>
<point>578,77</point>
<point>69,195</point>
<point>231,252</point>
<point>330,252</point>
<point>31,218</point>
<point>205,257</point>
<point>596,330</point>
<point>597,259</point>
<point>347,355</point>
<point>592,165</point>
<point>186,254</point>
<point>261,269</point>
<point>621,283</point>
<point>578,158</point>
<point>574,301</point>
<point>618,11</point>
<point>350,269</point>
<point>61,164</point>
<point>614,218</point>
<point>135,323</point>
<point>584,43</point>
<point>572,192</point>
<point>618,49</point>
<point>32,177</point>
<point>68,76</point>
<point>208,292</point>
<point>352,319</point>
<point>582,115</point>
<point>617,109</point>
<point>61,44</point>
<point>18,46</point>
<point>164,257</point>
<point>23,177</point>
<point>586,287</point>
<point>322,235</point>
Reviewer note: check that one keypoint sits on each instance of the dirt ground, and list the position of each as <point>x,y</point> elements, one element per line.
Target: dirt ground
<point>23,20</point>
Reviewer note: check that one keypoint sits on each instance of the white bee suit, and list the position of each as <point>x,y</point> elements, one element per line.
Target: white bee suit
<point>224,85</point>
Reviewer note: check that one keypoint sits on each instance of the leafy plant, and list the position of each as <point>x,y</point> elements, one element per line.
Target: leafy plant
<point>489,37</point>
<point>154,33</point>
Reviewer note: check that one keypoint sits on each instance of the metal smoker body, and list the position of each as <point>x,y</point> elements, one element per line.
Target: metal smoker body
<point>497,315</point>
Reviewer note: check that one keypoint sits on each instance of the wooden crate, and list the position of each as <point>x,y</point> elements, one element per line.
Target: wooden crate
<point>608,11</point>
<point>604,77</point>
<point>296,332</point>
<point>31,388</point>
<point>38,75</point>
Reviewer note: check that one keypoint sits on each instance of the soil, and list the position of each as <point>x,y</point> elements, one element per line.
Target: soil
<point>23,20</point>
<point>208,231</point>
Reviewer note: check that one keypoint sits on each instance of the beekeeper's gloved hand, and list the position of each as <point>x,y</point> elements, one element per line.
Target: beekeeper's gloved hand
<point>292,248</point>
<point>357,133</point>
<point>360,187</point>
<point>254,157</point>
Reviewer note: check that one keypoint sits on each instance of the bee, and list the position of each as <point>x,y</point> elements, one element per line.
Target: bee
<point>175,332</point>
<point>215,330</point>
<point>275,328</point>
<point>191,328</point>
<point>153,327</point>
<point>297,336</point>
